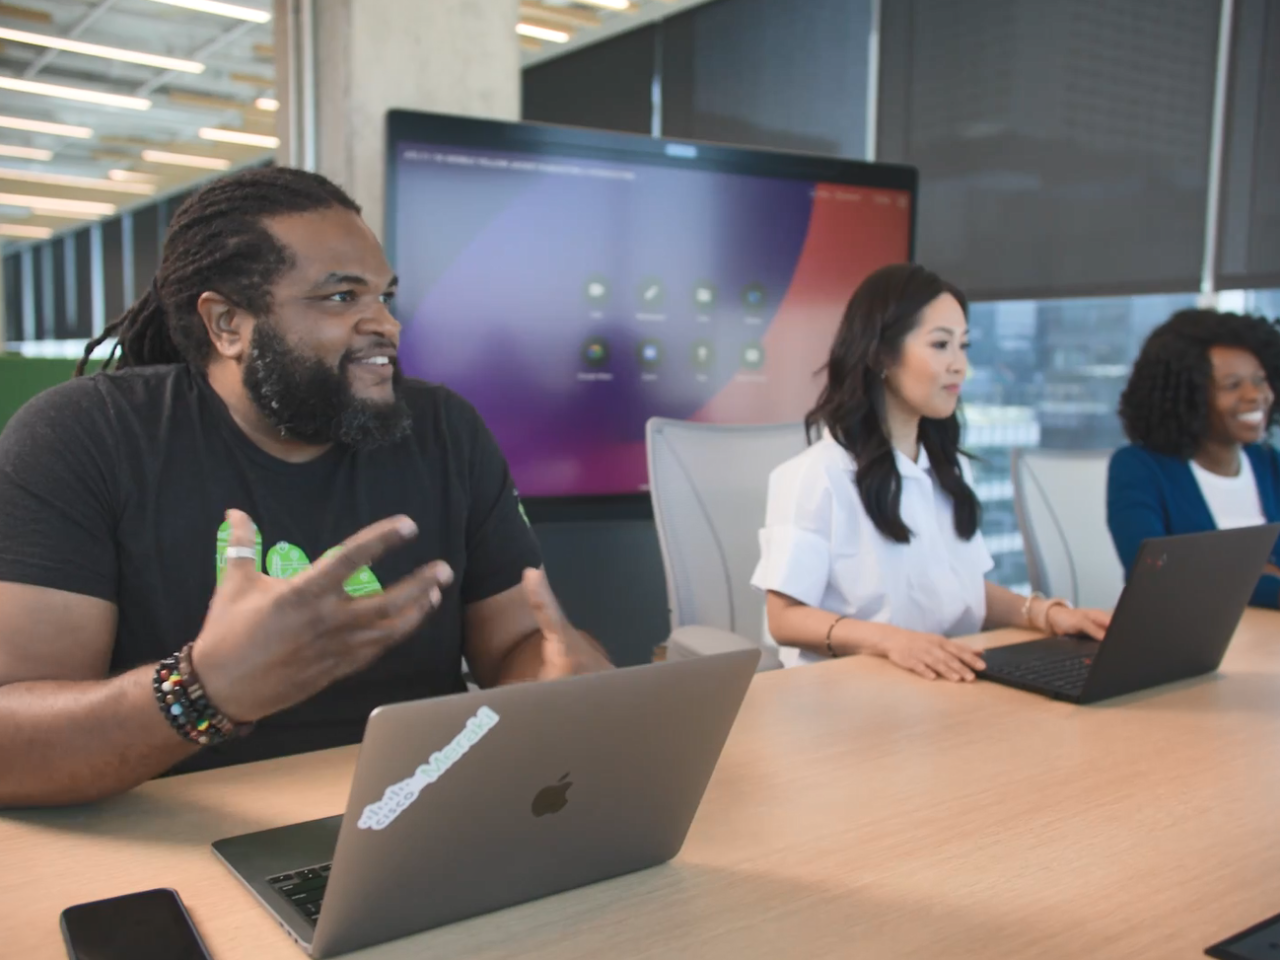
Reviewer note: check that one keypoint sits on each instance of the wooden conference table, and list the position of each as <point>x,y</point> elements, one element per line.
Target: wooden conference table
<point>856,812</point>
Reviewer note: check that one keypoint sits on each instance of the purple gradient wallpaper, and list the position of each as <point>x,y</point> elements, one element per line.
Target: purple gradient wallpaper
<point>571,299</point>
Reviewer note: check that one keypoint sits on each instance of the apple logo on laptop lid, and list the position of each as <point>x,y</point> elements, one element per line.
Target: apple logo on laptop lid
<point>552,799</point>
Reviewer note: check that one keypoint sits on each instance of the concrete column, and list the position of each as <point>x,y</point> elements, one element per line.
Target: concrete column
<point>371,56</point>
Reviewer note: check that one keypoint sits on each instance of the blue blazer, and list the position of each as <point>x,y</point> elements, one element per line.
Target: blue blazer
<point>1153,495</point>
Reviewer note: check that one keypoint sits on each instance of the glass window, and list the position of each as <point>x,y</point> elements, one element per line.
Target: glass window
<point>1061,150</point>
<point>759,73</point>
<point>1264,303</point>
<point>608,85</point>
<point>1048,374</point>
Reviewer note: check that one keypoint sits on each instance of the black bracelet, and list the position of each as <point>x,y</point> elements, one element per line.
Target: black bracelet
<point>182,700</point>
<point>830,649</point>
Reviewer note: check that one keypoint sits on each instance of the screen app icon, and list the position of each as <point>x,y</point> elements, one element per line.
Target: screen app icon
<point>595,352</point>
<point>650,354</point>
<point>597,289</point>
<point>754,296</point>
<point>650,294</point>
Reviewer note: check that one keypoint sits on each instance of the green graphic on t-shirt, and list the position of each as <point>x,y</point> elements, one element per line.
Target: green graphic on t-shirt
<point>361,583</point>
<point>520,507</point>
<point>285,561</point>
<point>224,538</point>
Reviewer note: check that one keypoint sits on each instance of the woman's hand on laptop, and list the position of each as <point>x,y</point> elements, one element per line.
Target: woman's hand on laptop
<point>566,651</point>
<point>1065,621</point>
<point>269,643</point>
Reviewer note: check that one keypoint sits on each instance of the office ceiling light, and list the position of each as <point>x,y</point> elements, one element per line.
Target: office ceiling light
<point>97,50</point>
<point>56,204</point>
<point>609,4</point>
<point>185,160</point>
<point>239,136</point>
<point>232,10</point>
<point>131,176</point>
<point>25,153</point>
<point>66,214</point>
<point>269,104</point>
<point>66,180</point>
<point>25,231</point>
<point>74,93</point>
<point>40,126</point>
<point>542,33</point>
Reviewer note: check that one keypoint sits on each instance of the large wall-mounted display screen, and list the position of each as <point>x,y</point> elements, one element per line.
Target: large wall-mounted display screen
<point>571,284</point>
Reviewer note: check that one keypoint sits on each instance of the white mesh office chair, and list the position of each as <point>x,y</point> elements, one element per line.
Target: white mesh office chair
<point>709,485</point>
<point>1060,497</point>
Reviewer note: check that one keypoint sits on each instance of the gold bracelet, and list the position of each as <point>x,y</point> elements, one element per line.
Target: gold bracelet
<point>830,649</point>
<point>1049,605</point>
<point>1026,608</point>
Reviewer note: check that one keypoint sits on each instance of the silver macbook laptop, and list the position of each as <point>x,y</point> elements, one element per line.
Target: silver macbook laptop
<point>465,804</point>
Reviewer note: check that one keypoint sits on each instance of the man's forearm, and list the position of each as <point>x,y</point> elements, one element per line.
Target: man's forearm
<point>524,662</point>
<point>75,741</point>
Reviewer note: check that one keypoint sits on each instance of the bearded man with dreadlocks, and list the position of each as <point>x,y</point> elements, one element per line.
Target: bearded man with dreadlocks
<point>253,530</point>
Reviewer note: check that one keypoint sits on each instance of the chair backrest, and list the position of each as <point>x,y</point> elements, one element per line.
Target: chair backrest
<point>1061,500</point>
<point>709,485</point>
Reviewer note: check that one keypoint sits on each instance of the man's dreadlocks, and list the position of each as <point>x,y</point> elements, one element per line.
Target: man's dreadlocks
<point>217,242</point>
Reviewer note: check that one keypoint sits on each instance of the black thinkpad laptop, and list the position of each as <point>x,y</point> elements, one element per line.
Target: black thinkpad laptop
<point>1174,620</point>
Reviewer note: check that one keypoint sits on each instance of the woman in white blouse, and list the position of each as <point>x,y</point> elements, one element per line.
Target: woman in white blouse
<point>871,541</point>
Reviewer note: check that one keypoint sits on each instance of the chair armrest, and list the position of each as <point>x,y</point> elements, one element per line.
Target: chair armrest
<point>688,642</point>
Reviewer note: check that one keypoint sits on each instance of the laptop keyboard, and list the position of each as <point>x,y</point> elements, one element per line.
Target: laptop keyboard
<point>304,888</point>
<point>1066,674</point>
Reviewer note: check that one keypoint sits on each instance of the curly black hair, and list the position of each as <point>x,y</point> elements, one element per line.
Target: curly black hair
<point>1165,406</point>
<point>217,241</point>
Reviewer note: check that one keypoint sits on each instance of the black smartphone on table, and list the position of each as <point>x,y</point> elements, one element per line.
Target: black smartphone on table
<point>151,925</point>
<point>1259,942</point>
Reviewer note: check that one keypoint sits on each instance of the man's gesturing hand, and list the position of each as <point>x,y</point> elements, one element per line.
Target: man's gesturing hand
<point>268,644</point>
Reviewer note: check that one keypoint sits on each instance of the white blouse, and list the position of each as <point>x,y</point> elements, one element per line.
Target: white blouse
<point>819,546</point>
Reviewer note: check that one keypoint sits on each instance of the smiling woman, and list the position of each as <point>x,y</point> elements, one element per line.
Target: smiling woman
<point>1198,409</point>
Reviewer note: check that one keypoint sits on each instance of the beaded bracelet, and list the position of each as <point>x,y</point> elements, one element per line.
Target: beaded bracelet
<point>182,700</point>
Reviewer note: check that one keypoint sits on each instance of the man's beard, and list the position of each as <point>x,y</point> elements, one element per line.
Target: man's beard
<point>309,401</point>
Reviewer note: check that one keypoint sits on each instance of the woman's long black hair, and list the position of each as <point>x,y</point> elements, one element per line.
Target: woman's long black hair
<point>883,310</point>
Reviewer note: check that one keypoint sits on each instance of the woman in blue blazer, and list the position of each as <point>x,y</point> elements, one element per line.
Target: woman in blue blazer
<point>1198,408</point>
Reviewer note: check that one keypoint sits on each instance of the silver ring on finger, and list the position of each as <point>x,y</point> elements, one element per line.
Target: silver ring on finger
<point>241,553</point>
